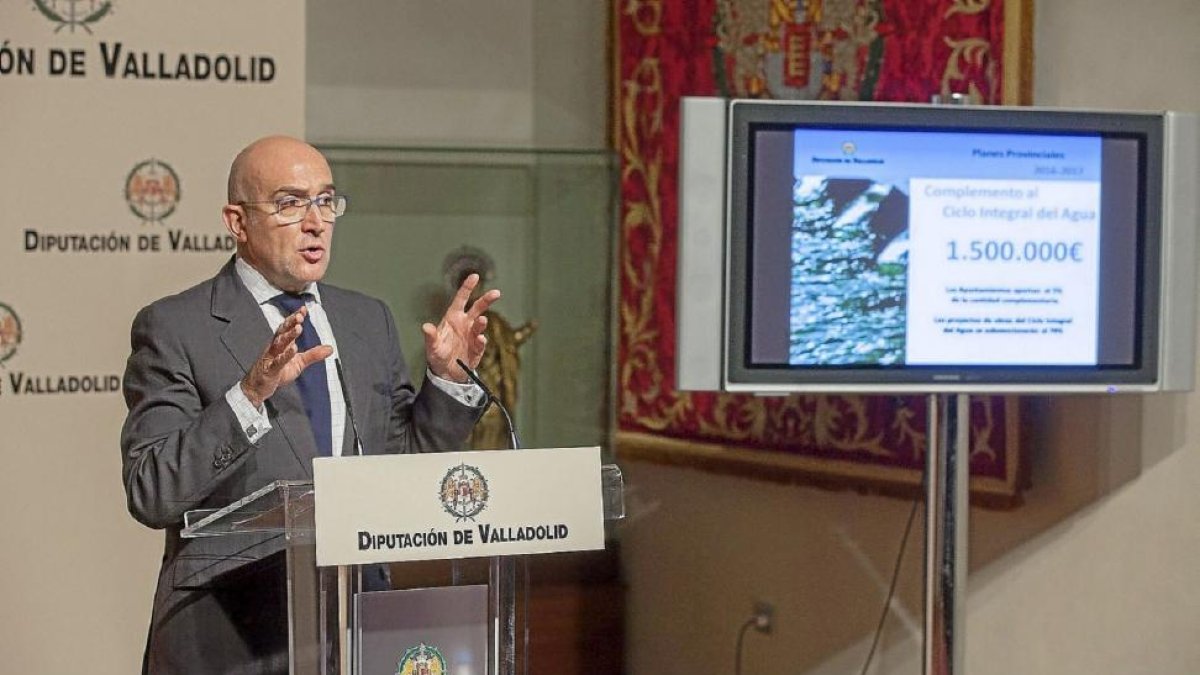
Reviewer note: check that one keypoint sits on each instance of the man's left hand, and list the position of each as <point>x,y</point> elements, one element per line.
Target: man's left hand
<point>459,335</point>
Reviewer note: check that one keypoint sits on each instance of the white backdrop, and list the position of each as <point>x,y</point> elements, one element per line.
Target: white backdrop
<point>118,121</point>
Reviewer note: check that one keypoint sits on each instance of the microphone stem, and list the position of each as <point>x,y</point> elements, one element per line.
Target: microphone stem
<point>358,448</point>
<point>513,442</point>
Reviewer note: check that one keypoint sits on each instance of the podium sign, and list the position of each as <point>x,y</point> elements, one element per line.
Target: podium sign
<point>392,508</point>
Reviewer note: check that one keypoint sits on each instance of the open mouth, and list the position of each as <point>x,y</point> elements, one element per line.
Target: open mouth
<point>312,254</point>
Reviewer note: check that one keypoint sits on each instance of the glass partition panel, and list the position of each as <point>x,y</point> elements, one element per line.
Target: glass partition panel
<point>542,221</point>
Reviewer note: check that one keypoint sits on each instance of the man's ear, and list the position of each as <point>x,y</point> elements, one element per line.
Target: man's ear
<point>235,221</point>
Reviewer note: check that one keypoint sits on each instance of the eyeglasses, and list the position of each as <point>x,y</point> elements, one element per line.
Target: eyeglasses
<point>292,209</point>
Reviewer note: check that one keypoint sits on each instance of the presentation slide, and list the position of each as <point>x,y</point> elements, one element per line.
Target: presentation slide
<point>932,248</point>
<point>1003,272</point>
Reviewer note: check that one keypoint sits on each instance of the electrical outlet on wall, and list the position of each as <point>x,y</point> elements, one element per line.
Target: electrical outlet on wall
<point>764,616</point>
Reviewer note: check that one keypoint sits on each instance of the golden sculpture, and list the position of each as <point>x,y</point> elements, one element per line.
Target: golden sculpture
<point>500,367</point>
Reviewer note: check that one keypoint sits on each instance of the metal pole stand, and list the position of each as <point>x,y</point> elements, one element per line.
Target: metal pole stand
<point>947,457</point>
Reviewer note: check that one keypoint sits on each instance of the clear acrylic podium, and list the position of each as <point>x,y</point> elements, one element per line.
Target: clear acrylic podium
<point>322,631</point>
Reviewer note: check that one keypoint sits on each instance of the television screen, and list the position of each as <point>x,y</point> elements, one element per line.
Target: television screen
<point>920,247</point>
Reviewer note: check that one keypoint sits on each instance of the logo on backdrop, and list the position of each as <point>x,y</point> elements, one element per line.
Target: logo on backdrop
<point>10,332</point>
<point>464,492</point>
<point>152,190</point>
<point>152,193</point>
<point>422,660</point>
<point>20,383</point>
<point>73,14</point>
<point>118,60</point>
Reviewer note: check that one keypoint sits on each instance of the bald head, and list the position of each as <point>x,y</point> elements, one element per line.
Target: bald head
<point>289,253</point>
<point>258,163</point>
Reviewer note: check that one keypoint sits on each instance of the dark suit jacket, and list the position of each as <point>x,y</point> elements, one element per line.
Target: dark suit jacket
<point>219,606</point>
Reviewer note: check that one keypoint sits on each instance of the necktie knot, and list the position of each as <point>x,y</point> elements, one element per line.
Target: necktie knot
<point>290,302</point>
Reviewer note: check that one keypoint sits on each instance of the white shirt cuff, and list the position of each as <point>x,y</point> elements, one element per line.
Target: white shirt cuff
<point>254,423</point>
<point>466,393</point>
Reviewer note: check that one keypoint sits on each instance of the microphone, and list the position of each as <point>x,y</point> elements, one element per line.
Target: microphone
<point>358,448</point>
<point>513,442</point>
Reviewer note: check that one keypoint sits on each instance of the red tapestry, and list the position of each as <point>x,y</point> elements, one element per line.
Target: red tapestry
<point>891,50</point>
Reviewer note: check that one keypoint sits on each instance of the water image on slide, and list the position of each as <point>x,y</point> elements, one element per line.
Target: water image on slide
<point>849,272</point>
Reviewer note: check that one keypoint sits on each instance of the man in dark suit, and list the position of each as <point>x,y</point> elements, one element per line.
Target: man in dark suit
<point>231,385</point>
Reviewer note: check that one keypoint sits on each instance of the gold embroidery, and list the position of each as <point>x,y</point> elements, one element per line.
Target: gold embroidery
<point>646,15</point>
<point>972,52</point>
<point>966,7</point>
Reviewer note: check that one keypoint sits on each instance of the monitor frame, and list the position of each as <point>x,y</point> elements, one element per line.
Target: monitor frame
<point>1167,222</point>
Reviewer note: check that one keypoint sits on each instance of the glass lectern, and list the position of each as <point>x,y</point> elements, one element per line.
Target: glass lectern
<point>334,612</point>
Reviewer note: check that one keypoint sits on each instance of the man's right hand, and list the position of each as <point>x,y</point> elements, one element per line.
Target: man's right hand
<point>282,362</point>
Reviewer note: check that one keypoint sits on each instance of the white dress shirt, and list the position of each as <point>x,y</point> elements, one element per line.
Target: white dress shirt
<point>254,422</point>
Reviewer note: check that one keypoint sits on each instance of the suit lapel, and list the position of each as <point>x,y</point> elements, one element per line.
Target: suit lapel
<point>246,336</point>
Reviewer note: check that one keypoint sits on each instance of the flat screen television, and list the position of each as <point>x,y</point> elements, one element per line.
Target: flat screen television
<point>921,248</point>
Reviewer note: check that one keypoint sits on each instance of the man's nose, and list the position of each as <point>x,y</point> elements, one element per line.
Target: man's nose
<point>312,220</point>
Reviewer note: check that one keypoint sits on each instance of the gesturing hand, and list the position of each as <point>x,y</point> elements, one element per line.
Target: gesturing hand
<point>459,335</point>
<point>282,362</point>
